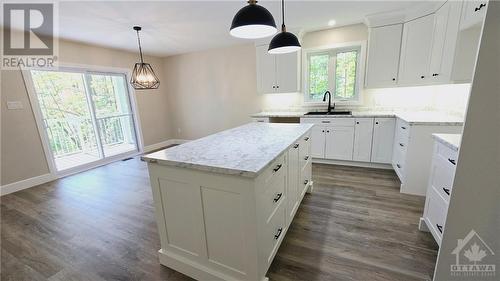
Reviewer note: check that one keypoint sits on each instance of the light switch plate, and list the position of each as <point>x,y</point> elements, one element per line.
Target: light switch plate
<point>13,105</point>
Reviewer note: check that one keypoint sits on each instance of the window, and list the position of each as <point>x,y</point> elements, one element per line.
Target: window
<point>87,115</point>
<point>336,70</point>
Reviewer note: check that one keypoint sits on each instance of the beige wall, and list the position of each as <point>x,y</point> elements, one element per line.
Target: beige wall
<point>22,156</point>
<point>212,90</point>
<point>350,33</point>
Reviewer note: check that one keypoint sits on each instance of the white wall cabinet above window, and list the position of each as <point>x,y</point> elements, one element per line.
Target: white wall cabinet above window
<point>383,56</point>
<point>277,73</point>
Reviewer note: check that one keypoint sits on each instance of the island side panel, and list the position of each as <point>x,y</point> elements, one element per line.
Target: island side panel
<point>206,222</point>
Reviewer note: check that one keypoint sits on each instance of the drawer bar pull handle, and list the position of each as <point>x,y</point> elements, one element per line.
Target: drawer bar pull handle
<point>404,128</point>
<point>446,190</point>
<point>399,166</point>
<point>277,168</point>
<point>306,158</point>
<point>296,145</point>
<point>306,182</point>
<point>452,161</point>
<point>278,234</point>
<point>400,144</point>
<point>325,121</point>
<point>440,228</point>
<point>306,139</point>
<point>278,196</point>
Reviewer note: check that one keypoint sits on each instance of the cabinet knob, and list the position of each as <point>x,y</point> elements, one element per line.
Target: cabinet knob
<point>393,79</point>
<point>278,196</point>
<point>422,77</point>
<point>357,123</point>
<point>376,123</point>
<point>327,131</point>
<point>296,145</point>
<point>278,86</point>
<point>277,168</point>
<point>306,138</point>
<point>278,234</point>
<point>306,158</point>
<point>274,87</point>
<point>322,131</point>
<point>306,182</point>
<point>439,227</point>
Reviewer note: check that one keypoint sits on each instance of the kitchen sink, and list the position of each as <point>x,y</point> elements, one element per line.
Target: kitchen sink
<point>329,113</point>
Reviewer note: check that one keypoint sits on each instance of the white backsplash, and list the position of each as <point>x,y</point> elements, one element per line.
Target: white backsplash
<point>450,99</point>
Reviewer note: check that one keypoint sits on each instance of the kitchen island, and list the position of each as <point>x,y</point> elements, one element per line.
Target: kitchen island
<point>223,203</point>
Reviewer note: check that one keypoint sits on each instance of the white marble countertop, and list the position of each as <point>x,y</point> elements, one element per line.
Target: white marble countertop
<point>245,151</point>
<point>411,117</point>
<point>450,140</point>
<point>280,114</point>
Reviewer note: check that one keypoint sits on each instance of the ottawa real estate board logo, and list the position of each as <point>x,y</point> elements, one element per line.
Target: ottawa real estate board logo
<point>473,257</point>
<point>29,35</point>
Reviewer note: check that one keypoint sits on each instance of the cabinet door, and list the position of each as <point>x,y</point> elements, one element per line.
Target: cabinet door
<point>339,143</point>
<point>416,51</point>
<point>287,73</point>
<point>473,12</point>
<point>363,132</point>
<point>292,181</point>
<point>384,47</point>
<point>383,139</point>
<point>318,141</point>
<point>444,42</point>
<point>266,71</point>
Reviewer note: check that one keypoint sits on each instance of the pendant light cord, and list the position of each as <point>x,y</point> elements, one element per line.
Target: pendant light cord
<point>140,48</point>
<point>283,28</point>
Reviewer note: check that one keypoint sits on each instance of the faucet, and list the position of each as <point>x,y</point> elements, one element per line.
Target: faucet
<point>330,107</point>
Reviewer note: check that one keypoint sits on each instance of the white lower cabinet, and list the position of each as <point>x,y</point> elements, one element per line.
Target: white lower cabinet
<point>339,143</point>
<point>318,141</point>
<point>439,190</point>
<point>383,139</point>
<point>363,135</point>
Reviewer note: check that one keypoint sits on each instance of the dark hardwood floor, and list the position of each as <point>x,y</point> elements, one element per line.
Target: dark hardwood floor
<point>100,225</point>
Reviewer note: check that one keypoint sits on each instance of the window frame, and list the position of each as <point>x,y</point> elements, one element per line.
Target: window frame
<point>333,50</point>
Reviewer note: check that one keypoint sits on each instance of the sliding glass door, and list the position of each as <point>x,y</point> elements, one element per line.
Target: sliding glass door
<point>87,116</point>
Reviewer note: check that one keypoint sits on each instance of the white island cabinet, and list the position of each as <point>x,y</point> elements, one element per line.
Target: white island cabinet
<point>224,202</point>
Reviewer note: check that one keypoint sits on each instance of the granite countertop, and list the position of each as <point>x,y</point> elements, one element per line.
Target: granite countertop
<point>411,117</point>
<point>244,151</point>
<point>450,140</point>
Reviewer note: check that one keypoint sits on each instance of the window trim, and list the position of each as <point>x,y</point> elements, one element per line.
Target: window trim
<point>336,48</point>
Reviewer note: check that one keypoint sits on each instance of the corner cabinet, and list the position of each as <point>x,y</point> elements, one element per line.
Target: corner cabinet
<point>277,73</point>
<point>416,48</point>
<point>383,56</point>
<point>383,139</point>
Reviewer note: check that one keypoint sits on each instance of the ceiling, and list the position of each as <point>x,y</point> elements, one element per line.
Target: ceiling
<point>174,27</point>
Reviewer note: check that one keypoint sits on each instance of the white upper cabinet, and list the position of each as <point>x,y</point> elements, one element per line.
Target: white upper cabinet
<point>277,73</point>
<point>384,46</point>
<point>416,50</point>
<point>383,139</point>
<point>447,20</point>
<point>287,73</point>
<point>363,132</point>
<point>473,13</point>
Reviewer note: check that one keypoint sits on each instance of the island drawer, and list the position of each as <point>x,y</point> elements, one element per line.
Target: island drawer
<point>273,196</point>
<point>273,231</point>
<point>305,147</point>
<point>435,214</point>
<point>277,168</point>
<point>306,176</point>
<point>402,133</point>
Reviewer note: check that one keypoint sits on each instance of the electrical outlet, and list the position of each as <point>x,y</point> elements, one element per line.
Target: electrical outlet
<point>13,105</point>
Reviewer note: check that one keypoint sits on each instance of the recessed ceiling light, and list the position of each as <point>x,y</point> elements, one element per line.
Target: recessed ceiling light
<point>332,22</point>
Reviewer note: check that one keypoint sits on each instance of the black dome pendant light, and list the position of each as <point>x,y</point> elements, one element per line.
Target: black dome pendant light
<point>143,77</point>
<point>284,42</point>
<point>253,22</point>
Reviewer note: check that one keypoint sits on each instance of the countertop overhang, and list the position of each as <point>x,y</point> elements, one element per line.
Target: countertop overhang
<point>450,140</point>
<point>243,151</point>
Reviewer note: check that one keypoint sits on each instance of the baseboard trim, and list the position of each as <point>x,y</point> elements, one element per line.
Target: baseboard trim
<point>163,144</point>
<point>353,163</point>
<point>27,183</point>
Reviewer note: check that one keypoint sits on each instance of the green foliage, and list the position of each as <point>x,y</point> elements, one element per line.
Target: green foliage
<point>344,75</point>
